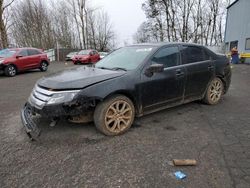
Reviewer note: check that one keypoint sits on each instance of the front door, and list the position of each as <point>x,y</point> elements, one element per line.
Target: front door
<point>166,87</point>
<point>22,60</point>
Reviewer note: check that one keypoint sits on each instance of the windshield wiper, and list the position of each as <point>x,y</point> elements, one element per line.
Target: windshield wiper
<point>119,68</point>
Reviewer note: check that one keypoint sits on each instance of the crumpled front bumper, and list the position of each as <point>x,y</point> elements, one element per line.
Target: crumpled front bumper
<point>30,126</point>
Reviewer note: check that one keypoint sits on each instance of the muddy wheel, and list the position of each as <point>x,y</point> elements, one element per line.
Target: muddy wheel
<point>214,92</point>
<point>10,70</point>
<point>115,115</point>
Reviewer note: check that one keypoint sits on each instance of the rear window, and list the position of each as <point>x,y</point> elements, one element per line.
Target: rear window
<point>192,54</point>
<point>33,52</point>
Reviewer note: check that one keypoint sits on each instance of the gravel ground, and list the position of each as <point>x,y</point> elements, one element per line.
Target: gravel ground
<point>70,155</point>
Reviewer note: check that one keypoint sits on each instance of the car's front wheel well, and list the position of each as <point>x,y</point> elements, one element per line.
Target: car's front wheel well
<point>45,61</point>
<point>126,94</point>
<point>12,65</point>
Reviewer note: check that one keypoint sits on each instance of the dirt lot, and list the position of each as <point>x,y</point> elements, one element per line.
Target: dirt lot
<point>70,155</point>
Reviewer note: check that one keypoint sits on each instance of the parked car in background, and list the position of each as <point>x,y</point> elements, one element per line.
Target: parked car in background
<point>132,81</point>
<point>86,57</point>
<point>70,56</point>
<point>14,60</point>
<point>103,54</point>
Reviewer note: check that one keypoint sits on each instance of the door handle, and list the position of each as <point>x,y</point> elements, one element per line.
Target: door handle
<point>179,73</point>
<point>210,67</point>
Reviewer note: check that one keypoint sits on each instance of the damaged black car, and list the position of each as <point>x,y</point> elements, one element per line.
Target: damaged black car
<point>128,83</point>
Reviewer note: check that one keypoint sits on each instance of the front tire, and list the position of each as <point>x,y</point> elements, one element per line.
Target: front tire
<point>10,70</point>
<point>115,115</point>
<point>214,92</point>
<point>44,66</point>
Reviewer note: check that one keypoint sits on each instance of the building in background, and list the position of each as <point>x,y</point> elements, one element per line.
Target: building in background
<point>237,33</point>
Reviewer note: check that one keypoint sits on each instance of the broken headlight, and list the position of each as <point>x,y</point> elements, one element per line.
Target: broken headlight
<point>62,97</point>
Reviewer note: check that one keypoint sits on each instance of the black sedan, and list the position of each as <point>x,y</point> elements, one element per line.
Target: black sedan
<point>130,82</point>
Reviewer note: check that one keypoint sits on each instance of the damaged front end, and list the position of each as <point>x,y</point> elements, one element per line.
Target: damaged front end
<point>54,104</point>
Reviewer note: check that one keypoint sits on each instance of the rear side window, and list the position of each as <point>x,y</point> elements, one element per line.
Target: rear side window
<point>192,54</point>
<point>33,52</point>
<point>168,56</point>
<point>23,53</point>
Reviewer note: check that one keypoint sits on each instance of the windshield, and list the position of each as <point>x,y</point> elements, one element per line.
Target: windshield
<point>84,52</point>
<point>7,53</point>
<point>127,58</point>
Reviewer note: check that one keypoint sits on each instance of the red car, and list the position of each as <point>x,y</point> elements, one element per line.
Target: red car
<point>86,57</point>
<point>14,60</point>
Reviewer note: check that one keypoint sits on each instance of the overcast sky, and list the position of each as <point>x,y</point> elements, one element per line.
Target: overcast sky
<point>126,16</point>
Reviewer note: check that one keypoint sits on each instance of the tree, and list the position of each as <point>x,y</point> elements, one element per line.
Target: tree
<point>3,22</point>
<point>32,25</point>
<point>199,21</point>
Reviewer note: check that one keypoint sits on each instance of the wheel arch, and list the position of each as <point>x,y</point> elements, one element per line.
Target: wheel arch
<point>127,94</point>
<point>7,64</point>
<point>215,76</point>
<point>44,60</point>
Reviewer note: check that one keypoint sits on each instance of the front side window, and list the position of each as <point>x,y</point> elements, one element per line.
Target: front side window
<point>169,57</point>
<point>127,58</point>
<point>23,53</point>
<point>192,54</point>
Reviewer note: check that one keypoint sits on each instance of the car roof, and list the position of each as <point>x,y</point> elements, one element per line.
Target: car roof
<point>26,48</point>
<point>160,44</point>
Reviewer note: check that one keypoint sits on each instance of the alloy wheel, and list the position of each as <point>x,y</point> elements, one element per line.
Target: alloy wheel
<point>118,116</point>
<point>11,70</point>
<point>215,91</point>
<point>44,66</point>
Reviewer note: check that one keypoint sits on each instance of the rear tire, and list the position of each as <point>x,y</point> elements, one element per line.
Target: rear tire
<point>10,70</point>
<point>214,92</point>
<point>44,66</point>
<point>115,115</point>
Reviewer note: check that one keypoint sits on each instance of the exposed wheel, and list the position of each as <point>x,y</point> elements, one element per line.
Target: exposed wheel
<point>214,92</point>
<point>44,66</point>
<point>10,70</point>
<point>115,115</point>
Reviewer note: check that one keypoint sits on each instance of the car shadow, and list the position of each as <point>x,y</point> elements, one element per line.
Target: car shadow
<point>3,76</point>
<point>88,134</point>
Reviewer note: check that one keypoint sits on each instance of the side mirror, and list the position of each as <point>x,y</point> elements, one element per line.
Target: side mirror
<point>154,68</point>
<point>18,56</point>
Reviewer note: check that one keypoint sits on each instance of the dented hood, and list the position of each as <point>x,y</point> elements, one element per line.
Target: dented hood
<point>77,78</point>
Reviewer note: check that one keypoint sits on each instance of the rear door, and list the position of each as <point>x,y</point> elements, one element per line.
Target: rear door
<point>34,58</point>
<point>200,70</point>
<point>167,87</point>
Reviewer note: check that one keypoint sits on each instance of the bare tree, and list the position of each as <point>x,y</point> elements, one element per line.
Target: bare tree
<point>199,21</point>
<point>3,22</point>
<point>32,25</point>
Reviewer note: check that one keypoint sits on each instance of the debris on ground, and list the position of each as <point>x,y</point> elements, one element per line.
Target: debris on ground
<point>180,175</point>
<point>185,162</point>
